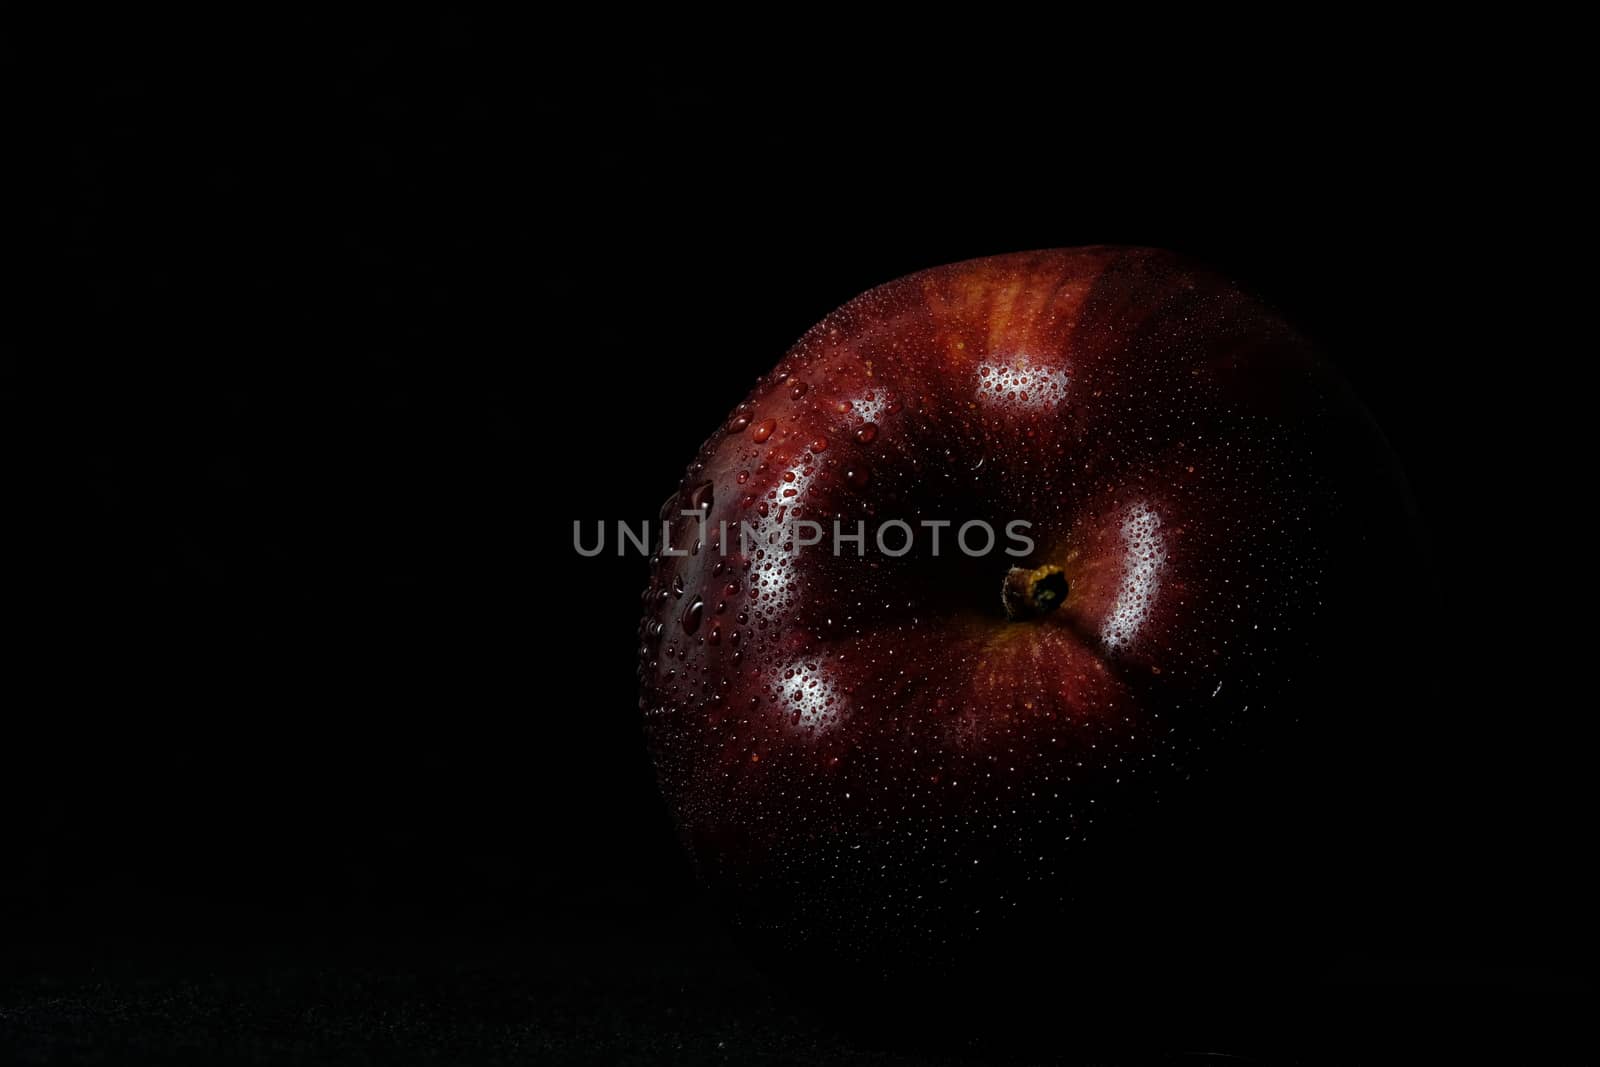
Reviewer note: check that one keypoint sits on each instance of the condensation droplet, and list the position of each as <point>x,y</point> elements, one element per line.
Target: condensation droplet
<point>700,497</point>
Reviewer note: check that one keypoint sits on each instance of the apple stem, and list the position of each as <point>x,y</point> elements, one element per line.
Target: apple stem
<point>1030,593</point>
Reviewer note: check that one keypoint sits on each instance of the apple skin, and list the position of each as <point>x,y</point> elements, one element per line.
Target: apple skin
<point>899,796</point>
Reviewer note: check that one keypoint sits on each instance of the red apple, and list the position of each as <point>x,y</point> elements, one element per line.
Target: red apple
<point>1112,763</point>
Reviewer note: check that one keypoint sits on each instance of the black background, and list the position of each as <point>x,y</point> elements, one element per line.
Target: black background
<point>323,741</point>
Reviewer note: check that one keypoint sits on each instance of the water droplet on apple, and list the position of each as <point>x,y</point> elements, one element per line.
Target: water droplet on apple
<point>700,497</point>
<point>798,391</point>
<point>867,433</point>
<point>691,615</point>
<point>738,423</point>
<point>763,430</point>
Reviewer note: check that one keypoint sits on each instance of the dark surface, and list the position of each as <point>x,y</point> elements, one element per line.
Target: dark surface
<point>636,999</point>
<point>322,743</point>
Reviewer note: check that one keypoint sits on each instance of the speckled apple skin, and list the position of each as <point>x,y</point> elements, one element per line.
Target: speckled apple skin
<point>874,769</point>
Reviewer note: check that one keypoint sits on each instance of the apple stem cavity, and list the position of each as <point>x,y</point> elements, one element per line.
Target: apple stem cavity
<point>1028,594</point>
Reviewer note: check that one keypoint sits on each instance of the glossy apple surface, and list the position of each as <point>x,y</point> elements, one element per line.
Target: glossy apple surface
<point>903,793</point>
